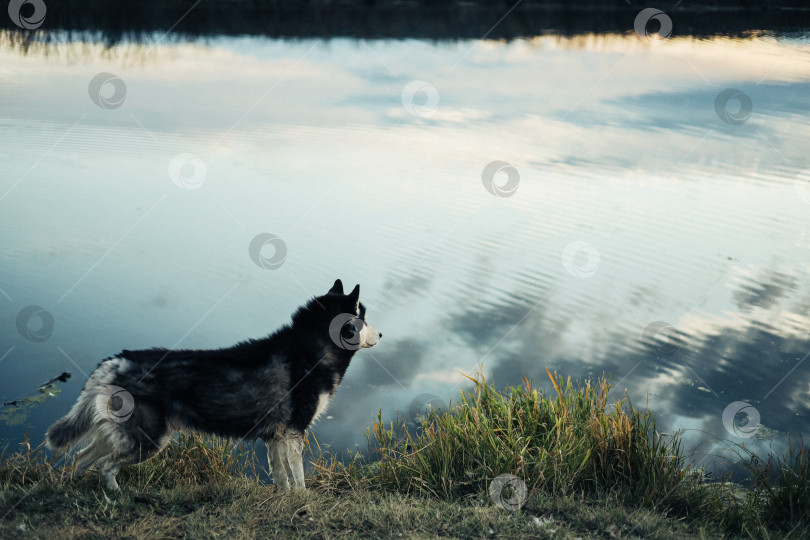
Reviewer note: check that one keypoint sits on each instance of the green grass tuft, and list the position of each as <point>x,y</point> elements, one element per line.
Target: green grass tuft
<point>573,441</point>
<point>780,489</point>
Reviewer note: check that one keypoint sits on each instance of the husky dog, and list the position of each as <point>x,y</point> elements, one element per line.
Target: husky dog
<point>272,388</point>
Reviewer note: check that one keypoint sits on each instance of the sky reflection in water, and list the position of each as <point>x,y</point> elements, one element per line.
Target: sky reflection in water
<point>696,222</point>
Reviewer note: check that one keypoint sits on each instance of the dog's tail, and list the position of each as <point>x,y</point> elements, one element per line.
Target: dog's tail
<point>70,428</point>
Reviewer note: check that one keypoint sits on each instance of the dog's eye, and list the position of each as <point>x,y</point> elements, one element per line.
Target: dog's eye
<point>348,331</point>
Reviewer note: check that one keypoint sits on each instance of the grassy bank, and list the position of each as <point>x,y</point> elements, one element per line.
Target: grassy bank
<point>512,464</point>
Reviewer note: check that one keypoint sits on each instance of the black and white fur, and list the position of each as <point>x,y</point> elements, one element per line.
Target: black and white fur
<point>272,388</point>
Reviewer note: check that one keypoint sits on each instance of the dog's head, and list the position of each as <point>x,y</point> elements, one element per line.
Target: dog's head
<point>343,317</point>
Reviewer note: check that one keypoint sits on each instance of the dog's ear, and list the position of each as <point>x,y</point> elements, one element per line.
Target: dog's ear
<point>354,296</point>
<point>337,288</point>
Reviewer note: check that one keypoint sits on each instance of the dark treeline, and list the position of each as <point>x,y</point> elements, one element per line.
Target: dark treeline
<point>112,21</point>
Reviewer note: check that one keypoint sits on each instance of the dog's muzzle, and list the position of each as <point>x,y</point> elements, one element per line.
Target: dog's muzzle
<point>369,336</point>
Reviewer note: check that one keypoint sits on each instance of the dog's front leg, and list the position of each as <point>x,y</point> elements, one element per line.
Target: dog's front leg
<point>295,446</point>
<point>277,465</point>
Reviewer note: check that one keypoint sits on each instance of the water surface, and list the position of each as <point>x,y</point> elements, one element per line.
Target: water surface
<point>640,205</point>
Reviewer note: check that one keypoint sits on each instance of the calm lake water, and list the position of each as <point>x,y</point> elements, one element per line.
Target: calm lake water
<point>648,217</point>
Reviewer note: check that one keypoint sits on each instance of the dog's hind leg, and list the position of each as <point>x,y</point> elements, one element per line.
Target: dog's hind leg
<point>277,465</point>
<point>133,441</point>
<point>295,446</point>
<point>87,457</point>
<point>109,466</point>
